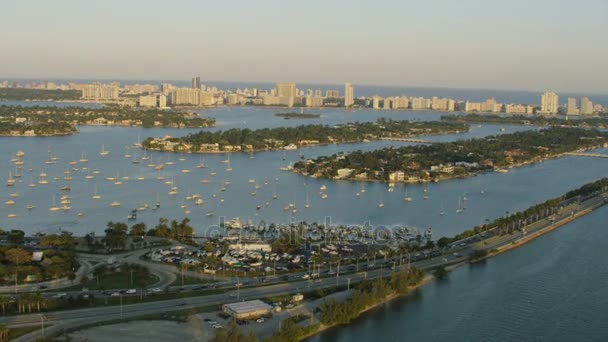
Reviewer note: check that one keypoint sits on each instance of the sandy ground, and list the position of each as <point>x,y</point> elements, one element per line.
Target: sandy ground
<point>153,331</point>
<point>195,329</point>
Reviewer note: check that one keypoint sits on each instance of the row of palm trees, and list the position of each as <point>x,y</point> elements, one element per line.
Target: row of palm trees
<point>26,303</point>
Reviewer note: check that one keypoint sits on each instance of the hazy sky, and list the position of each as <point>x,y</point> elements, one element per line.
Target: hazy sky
<point>531,45</point>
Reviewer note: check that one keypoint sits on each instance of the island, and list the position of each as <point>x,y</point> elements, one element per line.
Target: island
<point>53,120</point>
<point>291,138</point>
<point>439,161</point>
<point>577,121</point>
<point>25,94</point>
<point>294,115</point>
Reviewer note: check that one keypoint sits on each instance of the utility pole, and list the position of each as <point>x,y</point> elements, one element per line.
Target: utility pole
<point>121,316</point>
<point>348,283</point>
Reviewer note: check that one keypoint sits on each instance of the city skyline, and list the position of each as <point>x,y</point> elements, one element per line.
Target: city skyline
<point>521,57</point>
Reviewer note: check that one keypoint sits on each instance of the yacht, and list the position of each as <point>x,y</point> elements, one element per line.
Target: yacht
<point>103,151</point>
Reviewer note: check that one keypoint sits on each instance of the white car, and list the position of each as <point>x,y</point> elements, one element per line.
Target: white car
<point>155,290</point>
<point>305,276</point>
<point>115,294</point>
<point>217,326</point>
<point>260,320</point>
<point>131,291</point>
<point>60,295</point>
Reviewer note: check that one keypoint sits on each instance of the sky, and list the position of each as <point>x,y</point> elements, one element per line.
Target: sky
<point>497,44</point>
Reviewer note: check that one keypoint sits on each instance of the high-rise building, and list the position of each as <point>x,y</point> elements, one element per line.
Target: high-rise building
<point>571,108</point>
<point>286,92</point>
<point>401,102</point>
<point>387,103</point>
<point>376,102</point>
<point>185,96</point>
<point>100,91</point>
<point>549,103</point>
<point>586,106</point>
<point>332,93</point>
<point>349,95</point>
<point>196,83</point>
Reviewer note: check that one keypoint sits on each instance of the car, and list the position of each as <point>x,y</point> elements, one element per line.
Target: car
<point>115,294</point>
<point>42,287</point>
<point>208,320</point>
<point>305,276</point>
<point>155,290</point>
<point>183,304</point>
<point>60,295</point>
<point>131,291</point>
<point>260,320</point>
<point>217,326</point>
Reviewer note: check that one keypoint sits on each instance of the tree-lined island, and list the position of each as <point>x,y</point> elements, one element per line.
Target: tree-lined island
<point>25,94</point>
<point>452,159</point>
<point>294,115</point>
<point>583,122</point>
<point>52,120</point>
<point>290,138</point>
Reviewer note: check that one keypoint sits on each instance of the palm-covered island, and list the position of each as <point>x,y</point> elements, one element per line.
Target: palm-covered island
<point>583,122</point>
<point>289,138</point>
<point>51,120</point>
<point>294,115</point>
<point>452,159</point>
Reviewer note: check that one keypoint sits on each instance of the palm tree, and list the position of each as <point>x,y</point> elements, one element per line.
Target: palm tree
<point>3,333</point>
<point>4,303</point>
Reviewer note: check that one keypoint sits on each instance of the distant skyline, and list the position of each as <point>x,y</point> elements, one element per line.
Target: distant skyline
<point>516,45</point>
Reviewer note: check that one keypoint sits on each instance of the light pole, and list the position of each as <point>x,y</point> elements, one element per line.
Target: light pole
<point>41,323</point>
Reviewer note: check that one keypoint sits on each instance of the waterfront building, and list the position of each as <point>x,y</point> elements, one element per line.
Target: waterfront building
<point>571,108</point>
<point>549,103</point>
<point>518,109</point>
<point>472,106</point>
<point>387,103</point>
<point>135,89</point>
<point>401,102</point>
<point>376,102</point>
<point>152,101</point>
<point>586,106</point>
<point>332,93</point>
<point>100,91</point>
<point>349,94</point>
<point>420,103</point>
<point>313,101</point>
<point>247,310</point>
<point>270,100</point>
<point>489,106</point>
<point>185,96</point>
<point>286,92</point>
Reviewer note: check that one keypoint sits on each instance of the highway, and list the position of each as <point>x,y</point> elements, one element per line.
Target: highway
<point>458,255</point>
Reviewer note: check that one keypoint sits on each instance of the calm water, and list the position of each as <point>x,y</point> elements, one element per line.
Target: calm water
<point>552,289</point>
<point>503,192</point>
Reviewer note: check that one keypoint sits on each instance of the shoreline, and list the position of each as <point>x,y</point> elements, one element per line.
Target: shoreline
<point>499,250</point>
<point>304,146</point>
<point>462,176</point>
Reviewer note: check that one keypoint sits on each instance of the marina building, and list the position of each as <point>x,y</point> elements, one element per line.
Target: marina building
<point>247,310</point>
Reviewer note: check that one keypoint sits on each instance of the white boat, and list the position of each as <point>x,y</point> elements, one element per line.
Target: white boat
<point>83,158</point>
<point>96,195</point>
<point>115,204</point>
<point>53,207</point>
<point>10,181</point>
<point>406,197</point>
<point>103,151</point>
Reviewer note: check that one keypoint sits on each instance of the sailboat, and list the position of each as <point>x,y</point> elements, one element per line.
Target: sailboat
<point>53,207</point>
<point>201,164</point>
<point>103,151</point>
<point>83,158</point>
<point>460,209</point>
<point>307,205</point>
<point>425,190</point>
<point>96,195</point>
<point>145,156</point>
<point>10,181</point>
<point>406,197</point>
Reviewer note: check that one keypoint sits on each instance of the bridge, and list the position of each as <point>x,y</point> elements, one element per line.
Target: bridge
<point>584,154</point>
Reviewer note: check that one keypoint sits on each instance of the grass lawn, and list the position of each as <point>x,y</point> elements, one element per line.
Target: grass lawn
<point>122,280</point>
<point>190,281</point>
<point>15,332</point>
